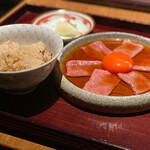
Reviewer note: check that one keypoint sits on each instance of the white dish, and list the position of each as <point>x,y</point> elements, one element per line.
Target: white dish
<point>21,82</point>
<point>82,22</point>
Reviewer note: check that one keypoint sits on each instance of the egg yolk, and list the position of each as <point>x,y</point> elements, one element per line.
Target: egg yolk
<point>117,62</point>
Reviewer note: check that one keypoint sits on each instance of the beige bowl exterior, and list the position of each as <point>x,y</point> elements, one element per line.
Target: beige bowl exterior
<point>24,81</point>
<point>95,102</point>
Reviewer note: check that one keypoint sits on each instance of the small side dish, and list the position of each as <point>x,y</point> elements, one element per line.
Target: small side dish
<point>68,24</point>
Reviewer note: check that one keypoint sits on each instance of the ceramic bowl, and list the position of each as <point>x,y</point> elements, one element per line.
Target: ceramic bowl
<point>95,102</point>
<point>82,22</point>
<point>21,82</point>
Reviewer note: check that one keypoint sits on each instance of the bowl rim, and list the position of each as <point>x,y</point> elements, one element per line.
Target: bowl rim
<point>38,67</point>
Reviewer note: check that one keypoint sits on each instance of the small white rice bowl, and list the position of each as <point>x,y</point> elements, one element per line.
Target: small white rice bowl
<point>24,81</point>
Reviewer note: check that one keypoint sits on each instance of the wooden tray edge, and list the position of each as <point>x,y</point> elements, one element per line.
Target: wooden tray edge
<point>13,10</point>
<point>122,4</point>
<point>49,135</point>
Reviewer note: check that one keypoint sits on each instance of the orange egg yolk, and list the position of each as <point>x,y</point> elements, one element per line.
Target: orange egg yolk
<point>117,62</point>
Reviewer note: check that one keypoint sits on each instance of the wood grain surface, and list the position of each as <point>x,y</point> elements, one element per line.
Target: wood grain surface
<point>9,142</point>
<point>123,14</point>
